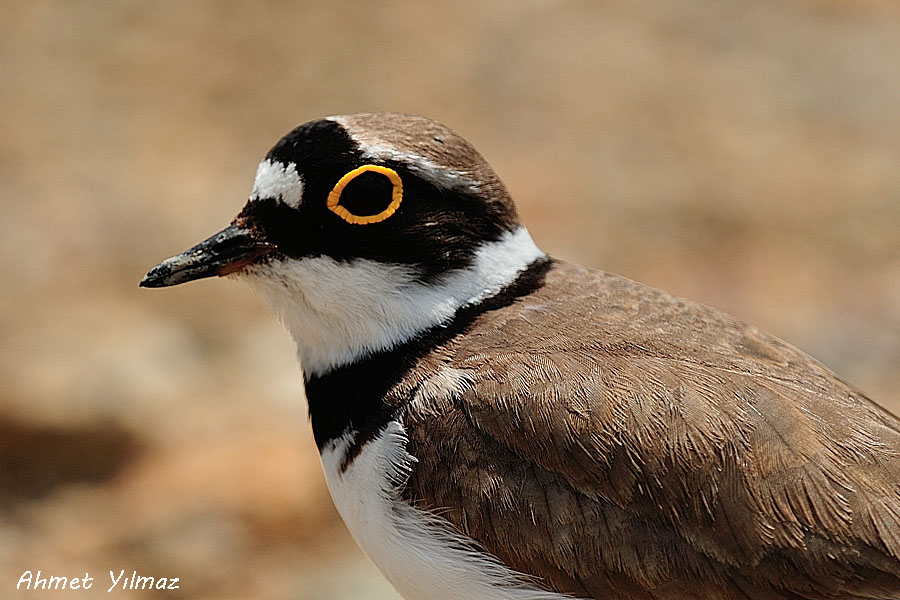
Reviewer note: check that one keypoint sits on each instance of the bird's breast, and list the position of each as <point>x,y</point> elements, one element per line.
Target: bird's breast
<point>419,553</point>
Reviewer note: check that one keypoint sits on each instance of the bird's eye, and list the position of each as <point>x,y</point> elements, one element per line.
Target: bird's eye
<point>369,194</point>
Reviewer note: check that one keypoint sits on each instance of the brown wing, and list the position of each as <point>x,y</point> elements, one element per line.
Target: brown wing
<point>649,447</point>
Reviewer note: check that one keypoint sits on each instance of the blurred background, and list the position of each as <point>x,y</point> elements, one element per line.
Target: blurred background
<point>743,154</point>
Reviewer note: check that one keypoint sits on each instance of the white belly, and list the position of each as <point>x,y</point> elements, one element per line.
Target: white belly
<point>418,553</point>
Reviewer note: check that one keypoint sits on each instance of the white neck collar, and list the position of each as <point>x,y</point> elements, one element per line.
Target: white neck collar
<point>338,312</point>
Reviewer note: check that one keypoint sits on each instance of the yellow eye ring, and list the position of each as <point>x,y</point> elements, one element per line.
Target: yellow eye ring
<point>334,197</point>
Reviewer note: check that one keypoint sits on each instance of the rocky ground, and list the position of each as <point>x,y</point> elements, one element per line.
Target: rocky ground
<point>743,154</point>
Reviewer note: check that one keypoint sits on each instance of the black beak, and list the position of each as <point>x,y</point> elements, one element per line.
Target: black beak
<point>228,251</point>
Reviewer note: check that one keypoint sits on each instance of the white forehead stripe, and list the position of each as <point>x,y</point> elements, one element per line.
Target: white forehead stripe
<point>275,180</point>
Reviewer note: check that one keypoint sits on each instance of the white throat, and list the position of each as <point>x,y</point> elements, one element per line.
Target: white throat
<point>338,311</point>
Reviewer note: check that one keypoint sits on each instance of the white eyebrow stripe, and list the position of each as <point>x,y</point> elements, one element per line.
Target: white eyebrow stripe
<point>276,180</point>
<point>378,150</point>
<point>422,167</point>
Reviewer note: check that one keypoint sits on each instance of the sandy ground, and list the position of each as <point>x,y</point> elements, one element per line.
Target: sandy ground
<point>743,154</point>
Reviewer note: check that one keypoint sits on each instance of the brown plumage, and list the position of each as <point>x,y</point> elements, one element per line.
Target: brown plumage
<point>623,443</point>
<point>606,438</point>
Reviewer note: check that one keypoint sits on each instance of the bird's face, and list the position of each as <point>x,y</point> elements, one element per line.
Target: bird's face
<point>361,231</point>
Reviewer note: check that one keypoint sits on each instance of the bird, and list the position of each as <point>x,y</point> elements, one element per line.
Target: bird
<point>497,423</point>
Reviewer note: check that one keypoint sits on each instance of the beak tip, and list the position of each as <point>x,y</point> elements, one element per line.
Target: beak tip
<point>155,278</point>
<point>225,252</point>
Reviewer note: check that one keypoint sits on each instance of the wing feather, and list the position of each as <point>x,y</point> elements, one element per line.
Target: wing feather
<point>613,439</point>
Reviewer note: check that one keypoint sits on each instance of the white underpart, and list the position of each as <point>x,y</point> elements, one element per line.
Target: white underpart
<point>274,179</point>
<point>338,311</point>
<point>418,552</point>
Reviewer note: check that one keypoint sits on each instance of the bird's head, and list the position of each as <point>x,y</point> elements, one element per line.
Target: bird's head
<point>363,231</point>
